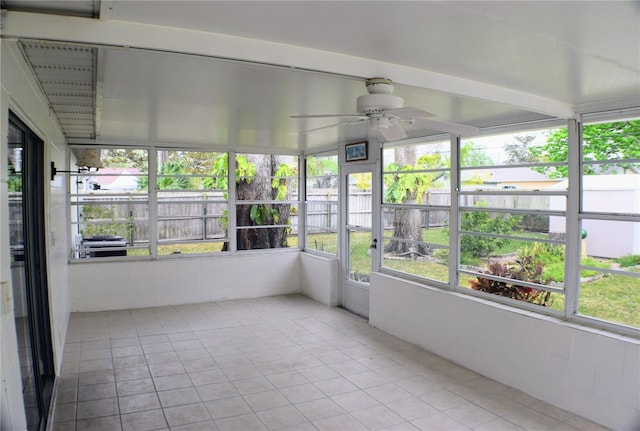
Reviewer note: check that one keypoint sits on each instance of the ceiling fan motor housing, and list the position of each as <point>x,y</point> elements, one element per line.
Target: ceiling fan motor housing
<point>377,103</point>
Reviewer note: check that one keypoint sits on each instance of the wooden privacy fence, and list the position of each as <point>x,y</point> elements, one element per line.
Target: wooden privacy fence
<point>190,217</point>
<point>184,216</point>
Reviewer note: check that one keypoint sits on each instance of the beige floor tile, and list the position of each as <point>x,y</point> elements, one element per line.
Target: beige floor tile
<point>320,409</point>
<point>138,403</point>
<point>226,407</point>
<point>177,397</point>
<point>187,414</point>
<point>302,393</point>
<point>336,386</point>
<point>377,417</point>
<point>265,400</point>
<point>247,422</point>
<point>142,421</point>
<point>411,408</point>
<point>281,417</point>
<point>439,422</point>
<point>285,363</point>
<point>344,422</point>
<point>354,401</point>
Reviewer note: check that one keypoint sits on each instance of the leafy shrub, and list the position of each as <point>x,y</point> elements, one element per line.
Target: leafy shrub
<point>103,218</point>
<point>629,260</point>
<point>483,221</point>
<point>544,252</point>
<point>524,269</point>
<point>550,255</point>
<point>552,258</point>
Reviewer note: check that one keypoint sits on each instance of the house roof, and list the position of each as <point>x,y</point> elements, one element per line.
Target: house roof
<point>518,174</point>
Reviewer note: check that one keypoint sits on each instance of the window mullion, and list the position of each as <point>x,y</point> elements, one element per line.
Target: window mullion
<point>572,223</point>
<point>231,205</point>
<point>454,215</point>
<point>153,202</point>
<point>302,205</point>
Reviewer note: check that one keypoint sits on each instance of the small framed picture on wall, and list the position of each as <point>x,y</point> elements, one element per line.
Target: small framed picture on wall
<point>356,151</point>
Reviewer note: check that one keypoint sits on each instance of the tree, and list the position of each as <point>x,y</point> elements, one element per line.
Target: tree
<point>120,157</point>
<point>259,177</point>
<point>472,156</point>
<point>406,186</point>
<point>324,169</point>
<point>519,151</point>
<point>605,141</point>
<point>175,179</point>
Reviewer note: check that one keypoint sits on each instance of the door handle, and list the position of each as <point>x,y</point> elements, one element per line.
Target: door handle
<point>374,244</point>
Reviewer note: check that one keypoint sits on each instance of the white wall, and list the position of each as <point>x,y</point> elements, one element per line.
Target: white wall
<point>319,278</point>
<point>103,285</point>
<point>605,194</point>
<point>592,373</point>
<point>20,93</point>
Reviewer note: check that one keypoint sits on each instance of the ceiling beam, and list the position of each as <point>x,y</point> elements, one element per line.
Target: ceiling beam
<point>179,40</point>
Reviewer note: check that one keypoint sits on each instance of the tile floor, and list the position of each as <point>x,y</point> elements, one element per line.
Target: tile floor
<point>277,363</point>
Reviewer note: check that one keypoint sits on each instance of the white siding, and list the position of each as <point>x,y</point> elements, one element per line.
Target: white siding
<point>21,94</point>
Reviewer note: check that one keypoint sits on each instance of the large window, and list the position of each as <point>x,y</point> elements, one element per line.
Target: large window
<point>183,205</point>
<point>192,201</point>
<point>547,219</point>
<point>610,221</point>
<point>266,201</point>
<point>322,203</point>
<point>512,204</point>
<point>416,205</point>
<point>110,207</point>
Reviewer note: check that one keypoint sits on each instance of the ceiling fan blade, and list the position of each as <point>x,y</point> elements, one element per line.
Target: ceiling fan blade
<point>392,132</point>
<point>443,126</point>
<point>328,116</point>
<point>408,113</point>
<point>331,125</point>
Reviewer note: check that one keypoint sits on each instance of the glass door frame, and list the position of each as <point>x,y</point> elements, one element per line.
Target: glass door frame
<point>36,361</point>
<point>354,295</point>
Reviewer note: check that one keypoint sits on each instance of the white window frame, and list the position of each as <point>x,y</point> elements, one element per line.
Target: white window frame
<point>307,202</point>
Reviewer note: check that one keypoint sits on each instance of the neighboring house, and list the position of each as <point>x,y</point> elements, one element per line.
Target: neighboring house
<point>520,178</point>
<point>509,178</point>
<point>114,179</point>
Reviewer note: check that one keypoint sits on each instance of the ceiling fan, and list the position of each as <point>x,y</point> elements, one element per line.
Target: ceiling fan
<point>386,113</point>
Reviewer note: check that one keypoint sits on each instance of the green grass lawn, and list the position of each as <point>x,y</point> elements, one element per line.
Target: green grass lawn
<point>433,270</point>
<point>325,242</point>
<point>614,298</point>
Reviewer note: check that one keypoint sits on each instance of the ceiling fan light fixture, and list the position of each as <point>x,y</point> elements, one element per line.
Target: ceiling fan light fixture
<point>379,86</point>
<point>377,103</point>
<point>379,121</point>
<point>386,115</point>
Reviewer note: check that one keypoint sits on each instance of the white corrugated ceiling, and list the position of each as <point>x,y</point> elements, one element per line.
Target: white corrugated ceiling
<point>489,63</point>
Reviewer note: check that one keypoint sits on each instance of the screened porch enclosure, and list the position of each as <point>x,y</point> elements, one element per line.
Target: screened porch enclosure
<point>464,174</point>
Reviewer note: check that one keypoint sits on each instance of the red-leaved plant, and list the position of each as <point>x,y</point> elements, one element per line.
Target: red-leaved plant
<point>524,269</point>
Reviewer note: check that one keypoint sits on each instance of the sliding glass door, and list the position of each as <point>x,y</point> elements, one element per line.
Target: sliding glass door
<point>26,186</point>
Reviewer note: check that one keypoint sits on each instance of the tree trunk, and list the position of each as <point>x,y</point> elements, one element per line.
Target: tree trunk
<point>260,189</point>
<point>407,222</point>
